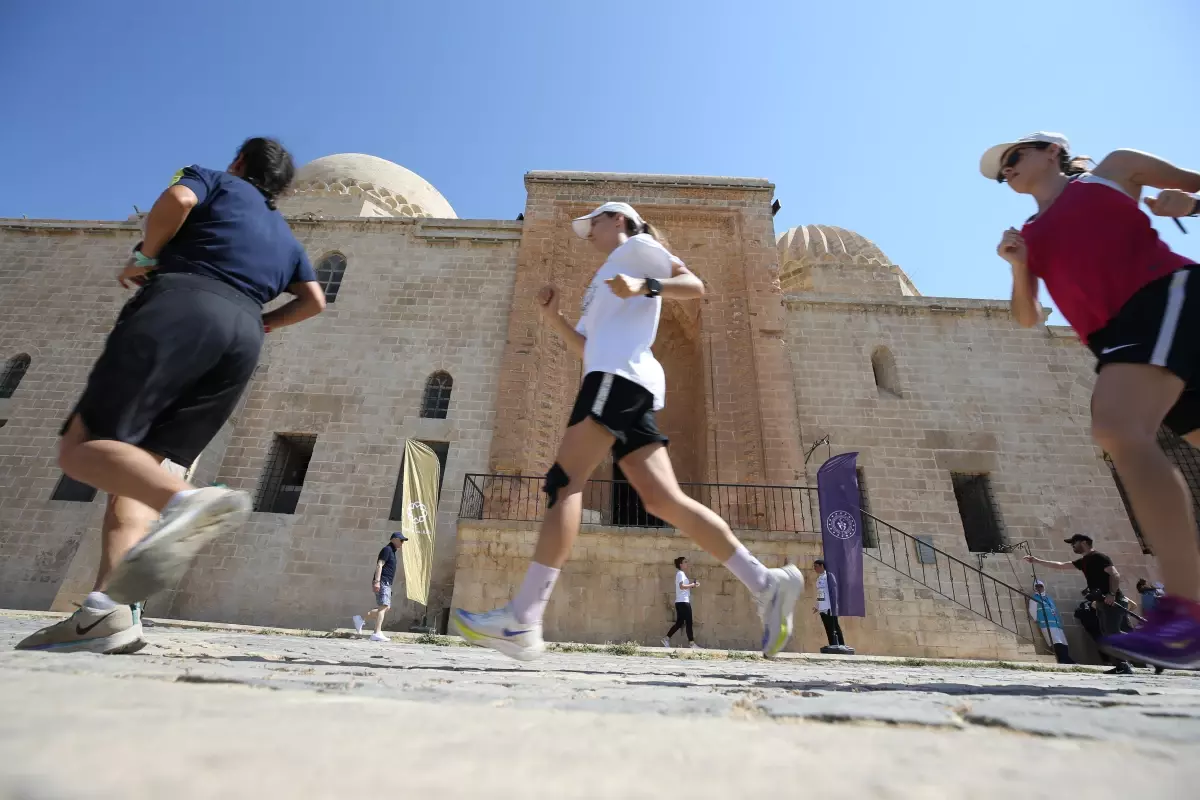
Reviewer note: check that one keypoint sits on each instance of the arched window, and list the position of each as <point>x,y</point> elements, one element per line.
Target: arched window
<point>330,271</point>
<point>437,396</point>
<point>883,364</point>
<point>14,371</point>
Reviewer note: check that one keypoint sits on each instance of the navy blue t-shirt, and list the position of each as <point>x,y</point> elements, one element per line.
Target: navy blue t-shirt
<point>388,556</point>
<point>233,236</point>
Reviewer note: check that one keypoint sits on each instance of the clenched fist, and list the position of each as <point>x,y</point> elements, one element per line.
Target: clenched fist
<point>1012,248</point>
<point>1172,203</point>
<point>547,300</point>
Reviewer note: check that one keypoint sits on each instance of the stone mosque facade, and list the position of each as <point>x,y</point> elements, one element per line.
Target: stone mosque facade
<point>972,432</point>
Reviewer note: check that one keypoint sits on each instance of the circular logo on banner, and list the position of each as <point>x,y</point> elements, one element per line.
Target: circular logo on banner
<point>417,513</point>
<point>841,524</point>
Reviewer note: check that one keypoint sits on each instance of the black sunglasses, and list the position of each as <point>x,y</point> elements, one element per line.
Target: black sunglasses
<point>1014,157</point>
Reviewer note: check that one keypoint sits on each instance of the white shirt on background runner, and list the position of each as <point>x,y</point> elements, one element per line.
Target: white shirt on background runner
<point>682,595</point>
<point>823,604</point>
<point>620,331</point>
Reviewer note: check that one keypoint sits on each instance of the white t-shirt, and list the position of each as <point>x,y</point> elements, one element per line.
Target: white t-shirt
<point>823,603</point>
<point>682,595</point>
<point>620,332</point>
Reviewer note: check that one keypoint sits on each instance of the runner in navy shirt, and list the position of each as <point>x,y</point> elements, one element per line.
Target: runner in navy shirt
<point>172,371</point>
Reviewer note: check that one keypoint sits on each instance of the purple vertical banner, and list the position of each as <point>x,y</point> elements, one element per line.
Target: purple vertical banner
<point>841,534</point>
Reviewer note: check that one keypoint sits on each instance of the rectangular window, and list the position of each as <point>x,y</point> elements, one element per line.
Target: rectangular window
<point>869,537</point>
<point>978,511</point>
<point>72,491</point>
<point>442,451</point>
<point>283,475</point>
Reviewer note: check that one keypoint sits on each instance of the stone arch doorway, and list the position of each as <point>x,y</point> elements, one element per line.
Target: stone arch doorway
<point>684,419</point>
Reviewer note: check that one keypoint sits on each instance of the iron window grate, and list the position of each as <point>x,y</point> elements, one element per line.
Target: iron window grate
<point>284,473</point>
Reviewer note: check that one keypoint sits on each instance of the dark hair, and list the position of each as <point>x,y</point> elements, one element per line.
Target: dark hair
<point>266,166</point>
<point>679,561</point>
<point>1072,165</point>
<point>633,229</point>
<point>820,561</point>
<point>1142,582</point>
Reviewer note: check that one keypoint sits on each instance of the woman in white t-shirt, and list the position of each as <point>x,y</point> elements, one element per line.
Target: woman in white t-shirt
<point>683,603</point>
<point>623,386</point>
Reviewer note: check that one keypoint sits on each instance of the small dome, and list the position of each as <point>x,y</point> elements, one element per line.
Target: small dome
<point>825,244</point>
<point>355,184</point>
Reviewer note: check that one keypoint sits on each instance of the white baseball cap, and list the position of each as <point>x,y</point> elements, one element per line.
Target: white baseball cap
<point>583,225</point>
<point>990,164</point>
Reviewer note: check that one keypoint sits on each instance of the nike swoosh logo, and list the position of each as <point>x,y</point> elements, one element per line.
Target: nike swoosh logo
<point>507,632</point>
<point>83,631</point>
<point>1105,351</point>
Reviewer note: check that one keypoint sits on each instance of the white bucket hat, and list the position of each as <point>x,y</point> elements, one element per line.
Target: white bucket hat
<point>990,164</point>
<point>583,225</point>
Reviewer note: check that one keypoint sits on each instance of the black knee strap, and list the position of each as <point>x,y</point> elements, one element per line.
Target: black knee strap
<point>556,479</point>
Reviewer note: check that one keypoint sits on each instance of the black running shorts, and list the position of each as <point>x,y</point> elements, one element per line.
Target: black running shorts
<point>182,352</point>
<point>625,408</point>
<point>1160,325</point>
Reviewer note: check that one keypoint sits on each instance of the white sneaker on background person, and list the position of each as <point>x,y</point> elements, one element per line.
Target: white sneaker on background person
<point>358,623</point>
<point>379,637</point>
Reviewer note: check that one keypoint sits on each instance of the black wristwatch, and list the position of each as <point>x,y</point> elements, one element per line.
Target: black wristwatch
<point>653,287</point>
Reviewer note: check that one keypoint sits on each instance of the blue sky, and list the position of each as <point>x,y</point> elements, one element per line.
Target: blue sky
<point>867,115</point>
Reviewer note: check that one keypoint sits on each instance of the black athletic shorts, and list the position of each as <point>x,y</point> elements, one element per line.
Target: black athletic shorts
<point>183,350</point>
<point>625,408</point>
<point>1160,325</point>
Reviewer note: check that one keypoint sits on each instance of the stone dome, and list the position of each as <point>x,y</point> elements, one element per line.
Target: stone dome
<point>355,184</point>
<point>826,244</point>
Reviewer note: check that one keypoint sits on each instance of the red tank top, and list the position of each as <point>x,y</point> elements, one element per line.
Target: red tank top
<point>1095,248</point>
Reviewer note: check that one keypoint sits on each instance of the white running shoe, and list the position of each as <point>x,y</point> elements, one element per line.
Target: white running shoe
<point>91,630</point>
<point>694,646</point>
<point>358,623</point>
<point>379,637</point>
<point>500,630</point>
<point>160,560</point>
<point>666,642</point>
<point>775,604</point>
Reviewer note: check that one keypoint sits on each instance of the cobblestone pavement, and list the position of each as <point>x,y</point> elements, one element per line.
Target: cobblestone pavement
<point>220,713</point>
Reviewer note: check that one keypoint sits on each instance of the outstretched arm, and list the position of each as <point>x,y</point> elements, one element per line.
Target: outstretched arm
<point>1062,565</point>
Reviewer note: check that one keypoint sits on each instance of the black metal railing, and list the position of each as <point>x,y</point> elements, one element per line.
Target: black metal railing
<point>743,506</point>
<point>774,508</point>
<point>971,588</point>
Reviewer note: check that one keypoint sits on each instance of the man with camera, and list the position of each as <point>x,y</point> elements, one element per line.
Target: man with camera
<point>1103,591</point>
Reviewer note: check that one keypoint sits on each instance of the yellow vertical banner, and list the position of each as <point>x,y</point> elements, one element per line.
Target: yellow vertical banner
<point>422,476</point>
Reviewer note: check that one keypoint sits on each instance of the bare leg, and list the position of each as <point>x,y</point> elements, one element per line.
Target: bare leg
<point>583,447</point>
<point>126,522</point>
<point>649,471</point>
<point>379,614</point>
<point>120,469</point>
<point>1128,405</point>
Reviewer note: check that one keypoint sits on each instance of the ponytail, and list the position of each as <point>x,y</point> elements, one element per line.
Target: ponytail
<point>633,229</point>
<point>1073,165</point>
<point>266,166</point>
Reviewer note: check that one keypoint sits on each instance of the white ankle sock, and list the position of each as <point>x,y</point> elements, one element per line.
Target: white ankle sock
<point>530,603</point>
<point>178,498</point>
<point>748,569</point>
<point>99,601</point>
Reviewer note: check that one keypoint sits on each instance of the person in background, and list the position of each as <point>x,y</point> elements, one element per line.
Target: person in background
<point>1103,591</point>
<point>826,594</point>
<point>683,603</point>
<point>381,584</point>
<point>1149,594</point>
<point>1043,611</point>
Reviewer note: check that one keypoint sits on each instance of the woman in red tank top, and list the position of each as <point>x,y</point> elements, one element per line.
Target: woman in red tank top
<point>1136,304</point>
